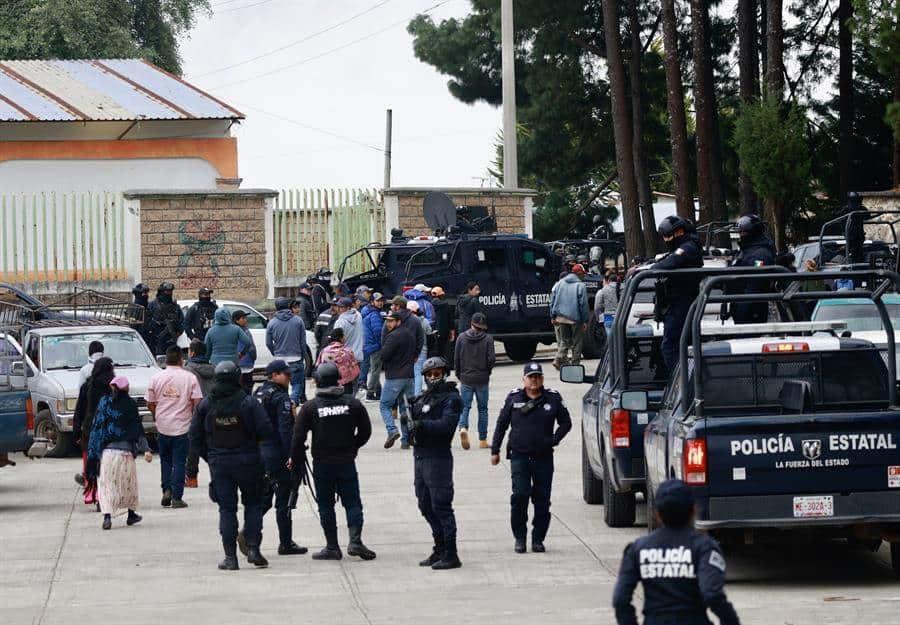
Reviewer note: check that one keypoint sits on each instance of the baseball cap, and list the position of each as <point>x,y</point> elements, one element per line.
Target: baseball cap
<point>479,320</point>
<point>345,302</point>
<point>578,268</point>
<point>412,305</point>
<point>277,366</point>
<point>377,296</point>
<point>673,495</point>
<point>363,289</point>
<point>120,382</point>
<point>395,315</point>
<point>532,368</point>
<point>421,287</point>
<point>238,314</point>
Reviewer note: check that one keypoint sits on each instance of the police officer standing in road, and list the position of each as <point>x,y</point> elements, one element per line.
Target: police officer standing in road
<point>757,250</point>
<point>677,293</point>
<point>275,399</point>
<point>435,414</point>
<point>200,315</point>
<point>531,412</point>
<point>681,569</point>
<point>340,426</point>
<point>166,319</point>
<point>231,431</point>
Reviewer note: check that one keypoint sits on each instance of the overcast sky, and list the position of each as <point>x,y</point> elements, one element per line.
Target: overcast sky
<point>438,141</point>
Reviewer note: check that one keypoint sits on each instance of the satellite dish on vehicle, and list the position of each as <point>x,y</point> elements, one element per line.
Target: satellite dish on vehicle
<point>439,211</point>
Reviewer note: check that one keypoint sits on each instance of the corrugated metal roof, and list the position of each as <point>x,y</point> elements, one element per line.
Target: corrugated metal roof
<point>101,90</point>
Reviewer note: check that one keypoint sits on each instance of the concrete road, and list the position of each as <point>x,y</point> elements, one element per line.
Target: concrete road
<point>58,567</point>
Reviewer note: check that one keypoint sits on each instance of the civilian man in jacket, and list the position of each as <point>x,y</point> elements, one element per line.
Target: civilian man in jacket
<point>467,305</point>
<point>350,321</point>
<point>304,305</point>
<point>399,351</point>
<point>198,364</point>
<point>444,331</point>
<point>373,323</point>
<point>340,426</point>
<point>224,340</point>
<point>246,351</point>
<point>569,313</point>
<point>531,412</point>
<point>95,353</point>
<point>421,294</point>
<point>286,339</point>
<point>474,360</point>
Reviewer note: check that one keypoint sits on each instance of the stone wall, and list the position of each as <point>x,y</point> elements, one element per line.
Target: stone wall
<point>403,208</point>
<point>881,200</point>
<point>213,238</point>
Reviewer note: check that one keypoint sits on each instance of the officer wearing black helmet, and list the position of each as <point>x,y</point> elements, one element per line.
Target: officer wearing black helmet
<point>166,319</point>
<point>200,315</point>
<point>231,431</point>
<point>678,294</point>
<point>140,293</point>
<point>274,397</point>
<point>434,416</point>
<point>757,250</point>
<point>340,426</point>
<point>681,569</point>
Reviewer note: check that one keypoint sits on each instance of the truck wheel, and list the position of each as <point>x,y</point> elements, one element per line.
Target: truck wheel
<point>618,508</point>
<point>895,558</point>
<point>520,350</point>
<point>592,488</point>
<point>45,427</point>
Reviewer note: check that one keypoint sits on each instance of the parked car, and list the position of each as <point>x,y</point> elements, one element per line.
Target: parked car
<point>256,323</point>
<point>16,407</point>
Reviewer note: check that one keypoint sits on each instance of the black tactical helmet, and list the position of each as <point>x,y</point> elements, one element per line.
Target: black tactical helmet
<point>671,224</point>
<point>140,289</point>
<point>204,292</point>
<point>435,362</point>
<point>327,375</point>
<point>749,225</point>
<point>282,303</point>
<point>227,371</point>
<point>166,286</point>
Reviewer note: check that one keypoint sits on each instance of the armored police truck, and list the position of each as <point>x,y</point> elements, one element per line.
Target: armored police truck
<point>515,273</point>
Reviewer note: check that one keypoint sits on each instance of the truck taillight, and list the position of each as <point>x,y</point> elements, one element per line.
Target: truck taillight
<point>29,415</point>
<point>694,462</point>
<point>621,428</point>
<point>779,348</point>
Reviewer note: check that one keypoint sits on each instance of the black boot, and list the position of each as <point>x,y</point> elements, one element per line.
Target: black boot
<point>107,521</point>
<point>331,550</point>
<point>230,563</point>
<point>133,518</point>
<point>356,546</point>
<point>255,558</point>
<point>291,549</point>
<point>437,553</point>
<point>242,543</point>
<point>450,559</point>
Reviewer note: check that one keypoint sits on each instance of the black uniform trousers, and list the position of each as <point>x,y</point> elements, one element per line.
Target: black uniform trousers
<point>532,478</point>
<point>229,477</point>
<point>434,490</point>
<point>342,480</point>
<point>192,466</point>
<point>281,497</point>
<point>673,325</point>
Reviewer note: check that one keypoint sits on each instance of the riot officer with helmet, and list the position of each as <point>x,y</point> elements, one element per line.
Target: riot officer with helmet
<point>166,319</point>
<point>682,570</point>
<point>200,315</point>
<point>674,295</point>
<point>140,293</point>
<point>231,431</point>
<point>274,397</point>
<point>434,417</point>
<point>757,250</point>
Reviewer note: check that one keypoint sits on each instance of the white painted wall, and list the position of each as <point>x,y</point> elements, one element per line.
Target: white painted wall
<point>34,176</point>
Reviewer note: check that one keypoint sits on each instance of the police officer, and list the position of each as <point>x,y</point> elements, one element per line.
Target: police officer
<point>340,426</point>
<point>276,400</point>
<point>435,414</point>
<point>682,570</point>
<point>140,293</point>
<point>166,319</point>
<point>757,250</point>
<point>231,431</point>
<point>531,412</point>
<point>684,253</point>
<point>854,230</point>
<point>200,315</point>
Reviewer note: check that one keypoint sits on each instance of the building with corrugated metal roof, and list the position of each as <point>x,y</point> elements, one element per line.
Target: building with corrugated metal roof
<point>110,124</point>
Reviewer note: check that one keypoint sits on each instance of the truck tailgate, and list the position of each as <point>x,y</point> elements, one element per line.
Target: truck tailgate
<point>14,434</point>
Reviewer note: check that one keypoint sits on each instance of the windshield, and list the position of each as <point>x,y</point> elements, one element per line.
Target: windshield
<point>859,317</point>
<point>70,351</point>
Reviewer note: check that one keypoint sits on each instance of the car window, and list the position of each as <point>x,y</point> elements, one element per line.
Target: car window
<point>536,260</point>
<point>859,317</point>
<point>70,351</point>
<point>33,350</point>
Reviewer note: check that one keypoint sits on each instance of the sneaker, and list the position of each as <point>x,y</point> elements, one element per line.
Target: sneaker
<point>328,553</point>
<point>391,439</point>
<point>190,482</point>
<point>464,438</point>
<point>179,503</point>
<point>166,500</point>
<point>483,444</point>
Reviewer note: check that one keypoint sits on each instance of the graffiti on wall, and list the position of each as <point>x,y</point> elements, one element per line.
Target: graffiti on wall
<point>203,242</point>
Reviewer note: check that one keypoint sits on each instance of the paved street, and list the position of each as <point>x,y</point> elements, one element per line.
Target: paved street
<point>58,567</point>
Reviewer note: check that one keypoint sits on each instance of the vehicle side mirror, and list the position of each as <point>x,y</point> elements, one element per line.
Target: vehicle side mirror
<point>18,376</point>
<point>573,374</point>
<point>635,401</point>
<point>161,361</point>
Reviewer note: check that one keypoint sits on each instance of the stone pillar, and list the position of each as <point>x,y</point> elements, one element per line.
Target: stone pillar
<point>214,238</point>
<point>879,201</point>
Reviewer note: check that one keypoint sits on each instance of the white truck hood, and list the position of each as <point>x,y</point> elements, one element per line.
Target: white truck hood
<point>138,377</point>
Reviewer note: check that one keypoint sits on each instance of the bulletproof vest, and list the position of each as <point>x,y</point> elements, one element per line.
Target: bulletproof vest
<point>228,431</point>
<point>168,317</point>
<point>207,314</point>
<point>264,396</point>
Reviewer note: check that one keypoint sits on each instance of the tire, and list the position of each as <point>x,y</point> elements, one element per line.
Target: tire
<point>895,558</point>
<point>520,350</point>
<point>45,427</point>
<point>592,488</point>
<point>618,508</point>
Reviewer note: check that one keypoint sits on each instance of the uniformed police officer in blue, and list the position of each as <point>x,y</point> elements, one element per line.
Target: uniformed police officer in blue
<point>231,431</point>
<point>757,250</point>
<point>684,253</point>
<point>434,417</point>
<point>531,413</point>
<point>276,400</point>
<point>681,569</point>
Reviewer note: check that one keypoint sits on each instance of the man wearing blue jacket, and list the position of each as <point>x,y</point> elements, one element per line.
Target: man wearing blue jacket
<point>246,350</point>
<point>422,294</point>
<point>286,339</point>
<point>373,322</point>
<point>224,340</point>
<point>569,313</point>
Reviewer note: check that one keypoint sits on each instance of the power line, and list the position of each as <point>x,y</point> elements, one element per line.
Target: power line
<point>297,42</point>
<point>223,3</point>
<point>331,51</point>
<point>330,133</point>
<point>246,6</point>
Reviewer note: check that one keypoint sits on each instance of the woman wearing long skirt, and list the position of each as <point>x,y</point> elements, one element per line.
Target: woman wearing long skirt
<point>117,437</point>
<point>92,391</point>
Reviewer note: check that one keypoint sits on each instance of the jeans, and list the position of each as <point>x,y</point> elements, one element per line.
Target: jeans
<point>390,393</point>
<point>569,338</point>
<point>281,497</point>
<point>417,372</point>
<point>227,478</point>
<point>673,325</point>
<point>342,480</point>
<point>532,478</point>
<point>374,368</point>
<point>363,371</point>
<point>298,382</point>
<point>479,393</point>
<point>434,490</point>
<point>173,451</point>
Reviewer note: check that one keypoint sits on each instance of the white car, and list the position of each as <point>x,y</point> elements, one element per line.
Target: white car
<point>256,323</point>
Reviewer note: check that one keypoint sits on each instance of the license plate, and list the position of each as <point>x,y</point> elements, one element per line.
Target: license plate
<point>809,507</point>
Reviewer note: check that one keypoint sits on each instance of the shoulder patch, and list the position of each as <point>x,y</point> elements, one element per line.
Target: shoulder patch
<point>552,390</point>
<point>679,251</point>
<point>717,560</point>
<point>514,391</point>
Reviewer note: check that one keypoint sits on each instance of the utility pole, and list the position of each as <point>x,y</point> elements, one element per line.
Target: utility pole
<point>510,148</point>
<point>387,148</point>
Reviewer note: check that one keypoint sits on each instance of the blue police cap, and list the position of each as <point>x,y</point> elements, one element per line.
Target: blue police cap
<point>674,495</point>
<point>532,368</point>
<point>277,366</point>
